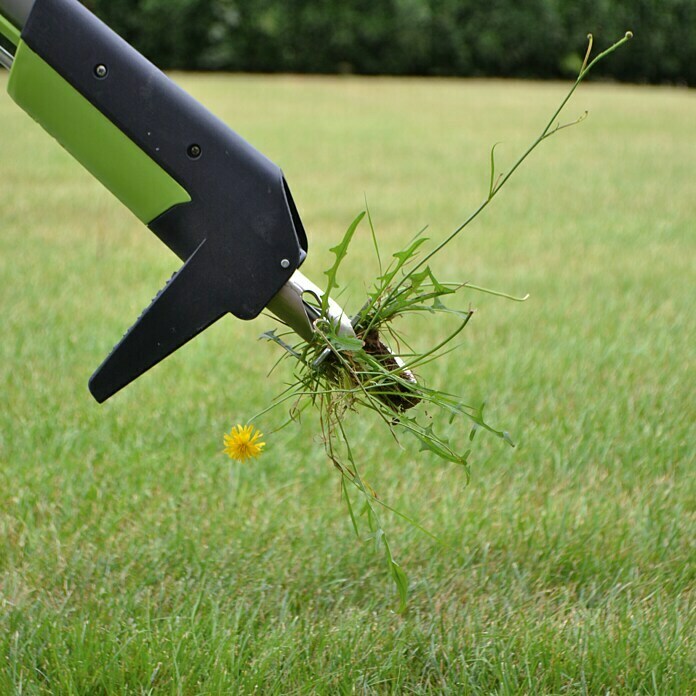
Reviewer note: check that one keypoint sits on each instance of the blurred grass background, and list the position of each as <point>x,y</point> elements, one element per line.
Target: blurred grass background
<point>134,558</point>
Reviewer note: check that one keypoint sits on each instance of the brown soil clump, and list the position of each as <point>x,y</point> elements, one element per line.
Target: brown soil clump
<point>400,398</point>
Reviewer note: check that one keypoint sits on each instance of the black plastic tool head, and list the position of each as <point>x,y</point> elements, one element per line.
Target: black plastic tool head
<point>240,236</point>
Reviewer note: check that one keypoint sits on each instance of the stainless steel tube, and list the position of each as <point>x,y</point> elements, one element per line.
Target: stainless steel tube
<point>6,58</point>
<point>17,11</point>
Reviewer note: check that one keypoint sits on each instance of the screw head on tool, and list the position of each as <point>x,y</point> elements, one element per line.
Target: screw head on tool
<point>194,151</point>
<point>101,71</point>
<point>285,264</point>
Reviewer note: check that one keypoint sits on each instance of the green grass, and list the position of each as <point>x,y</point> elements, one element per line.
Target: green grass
<point>135,559</point>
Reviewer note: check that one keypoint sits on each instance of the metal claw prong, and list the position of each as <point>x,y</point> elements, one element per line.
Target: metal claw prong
<point>291,307</point>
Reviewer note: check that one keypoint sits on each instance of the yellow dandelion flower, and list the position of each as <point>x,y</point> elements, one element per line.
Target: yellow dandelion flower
<point>243,442</point>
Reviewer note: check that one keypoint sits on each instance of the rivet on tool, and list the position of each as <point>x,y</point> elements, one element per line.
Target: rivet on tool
<point>285,263</point>
<point>101,71</point>
<point>194,151</point>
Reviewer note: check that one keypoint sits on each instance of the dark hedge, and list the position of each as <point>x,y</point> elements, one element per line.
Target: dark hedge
<point>493,38</point>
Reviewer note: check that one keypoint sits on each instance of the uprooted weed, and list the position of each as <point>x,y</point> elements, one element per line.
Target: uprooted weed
<point>377,369</point>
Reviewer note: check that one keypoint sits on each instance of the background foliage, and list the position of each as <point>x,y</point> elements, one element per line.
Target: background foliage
<point>496,38</point>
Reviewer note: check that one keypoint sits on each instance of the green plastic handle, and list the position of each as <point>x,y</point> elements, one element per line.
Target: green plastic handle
<point>9,31</point>
<point>94,141</point>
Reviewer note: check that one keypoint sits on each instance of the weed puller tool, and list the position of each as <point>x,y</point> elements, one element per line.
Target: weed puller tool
<point>214,200</point>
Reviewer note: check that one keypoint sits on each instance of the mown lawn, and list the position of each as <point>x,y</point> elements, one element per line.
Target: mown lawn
<point>135,559</point>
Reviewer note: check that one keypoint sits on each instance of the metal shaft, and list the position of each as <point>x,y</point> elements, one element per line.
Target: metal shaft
<point>6,58</point>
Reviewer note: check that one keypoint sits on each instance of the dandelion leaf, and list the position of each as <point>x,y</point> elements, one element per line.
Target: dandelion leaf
<point>273,337</point>
<point>340,252</point>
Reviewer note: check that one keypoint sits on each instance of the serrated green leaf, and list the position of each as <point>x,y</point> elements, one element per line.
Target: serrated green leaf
<point>274,338</point>
<point>340,251</point>
<point>405,254</point>
<point>417,279</point>
<point>439,288</point>
<point>438,306</point>
<point>430,442</point>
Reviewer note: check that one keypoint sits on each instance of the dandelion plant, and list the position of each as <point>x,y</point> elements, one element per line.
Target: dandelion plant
<point>377,370</point>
